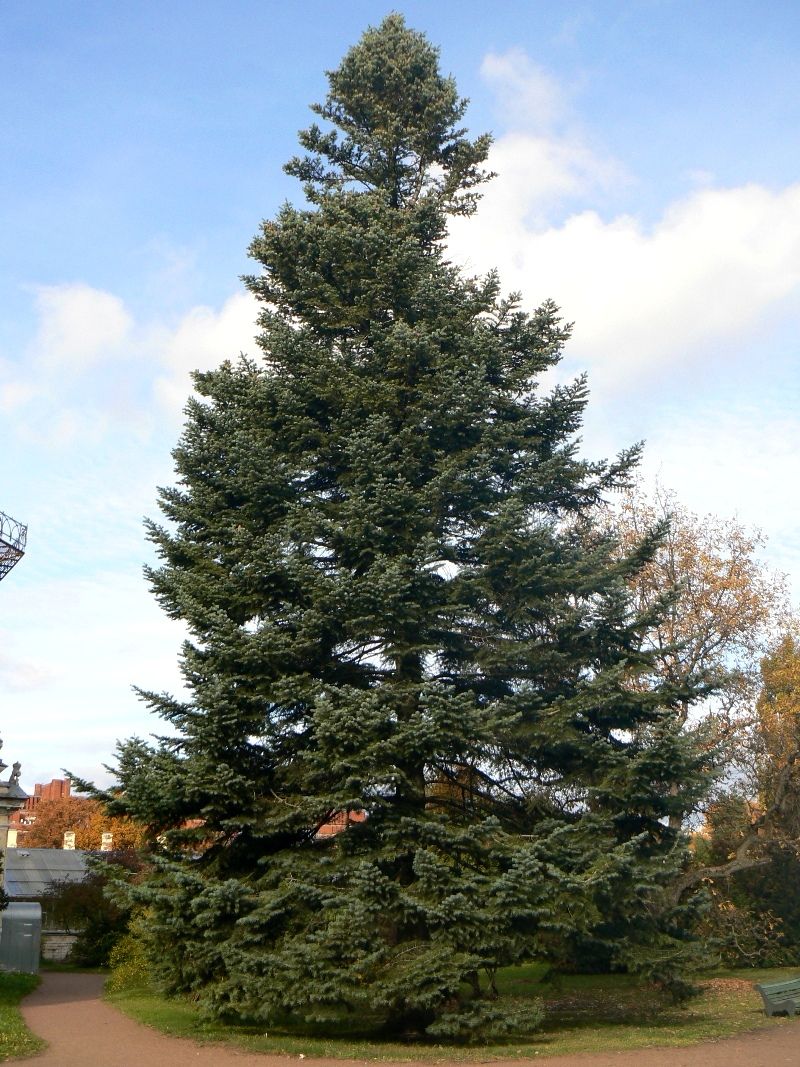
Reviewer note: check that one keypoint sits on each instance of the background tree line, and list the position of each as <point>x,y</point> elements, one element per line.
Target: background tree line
<point>730,617</point>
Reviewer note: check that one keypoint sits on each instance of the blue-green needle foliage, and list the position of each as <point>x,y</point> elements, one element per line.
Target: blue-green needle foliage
<point>382,542</point>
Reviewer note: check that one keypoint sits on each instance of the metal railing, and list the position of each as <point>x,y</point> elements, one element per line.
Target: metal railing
<point>13,537</point>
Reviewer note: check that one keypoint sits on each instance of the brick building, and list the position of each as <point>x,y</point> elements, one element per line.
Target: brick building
<point>22,820</point>
<point>341,821</point>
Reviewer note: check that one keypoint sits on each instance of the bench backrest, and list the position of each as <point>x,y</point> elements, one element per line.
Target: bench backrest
<point>779,990</point>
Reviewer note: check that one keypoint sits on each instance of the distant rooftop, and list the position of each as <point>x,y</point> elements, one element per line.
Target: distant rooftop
<point>29,872</point>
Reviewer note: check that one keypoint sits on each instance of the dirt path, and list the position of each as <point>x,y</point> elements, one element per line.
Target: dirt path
<point>84,1031</point>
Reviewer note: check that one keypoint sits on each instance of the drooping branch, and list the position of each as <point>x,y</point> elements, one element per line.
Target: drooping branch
<point>746,857</point>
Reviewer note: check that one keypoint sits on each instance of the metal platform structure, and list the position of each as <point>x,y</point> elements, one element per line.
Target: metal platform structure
<point>13,536</point>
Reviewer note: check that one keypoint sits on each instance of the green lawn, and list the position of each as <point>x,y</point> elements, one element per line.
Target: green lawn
<point>584,1014</point>
<point>15,1038</point>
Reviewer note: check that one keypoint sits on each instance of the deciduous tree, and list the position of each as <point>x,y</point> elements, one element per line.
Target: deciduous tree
<point>778,729</point>
<point>719,605</point>
<point>87,819</point>
<point>757,820</point>
<point>717,608</point>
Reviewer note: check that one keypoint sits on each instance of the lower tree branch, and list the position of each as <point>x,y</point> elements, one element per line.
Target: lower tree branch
<point>746,855</point>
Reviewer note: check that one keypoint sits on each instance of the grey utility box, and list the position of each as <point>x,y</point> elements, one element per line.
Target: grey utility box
<point>20,937</point>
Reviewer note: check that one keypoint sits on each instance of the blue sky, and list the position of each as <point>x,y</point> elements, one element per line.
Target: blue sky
<point>648,181</point>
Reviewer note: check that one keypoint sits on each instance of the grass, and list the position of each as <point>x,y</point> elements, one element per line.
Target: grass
<point>65,967</point>
<point>15,1037</point>
<point>585,1013</point>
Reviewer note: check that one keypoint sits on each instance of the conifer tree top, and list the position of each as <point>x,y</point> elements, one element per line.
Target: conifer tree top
<point>398,125</point>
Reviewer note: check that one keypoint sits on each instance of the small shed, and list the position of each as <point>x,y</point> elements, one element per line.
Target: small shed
<point>20,936</point>
<point>29,874</point>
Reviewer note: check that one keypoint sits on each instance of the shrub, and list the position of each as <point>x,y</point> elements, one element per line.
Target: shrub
<point>92,910</point>
<point>130,968</point>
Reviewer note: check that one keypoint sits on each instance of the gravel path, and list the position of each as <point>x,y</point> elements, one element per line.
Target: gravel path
<point>84,1031</point>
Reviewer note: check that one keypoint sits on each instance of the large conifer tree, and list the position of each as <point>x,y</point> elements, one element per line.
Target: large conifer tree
<point>382,542</point>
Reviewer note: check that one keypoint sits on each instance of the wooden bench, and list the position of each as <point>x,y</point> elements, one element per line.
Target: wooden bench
<point>781,996</point>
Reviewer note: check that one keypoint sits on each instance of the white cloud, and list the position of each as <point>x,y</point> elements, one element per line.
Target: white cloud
<point>534,175</point>
<point>15,395</point>
<point>736,461</point>
<point>527,95</point>
<point>18,675</point>
<point>80,326</point>
<point>679,321</point>
<point>725,447</point>
<point>202,340</point>
<point>717,263</point>
<point>86,627</point>
<point>543,159</point>
<point>79,645</point>
<point>91,368</point>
